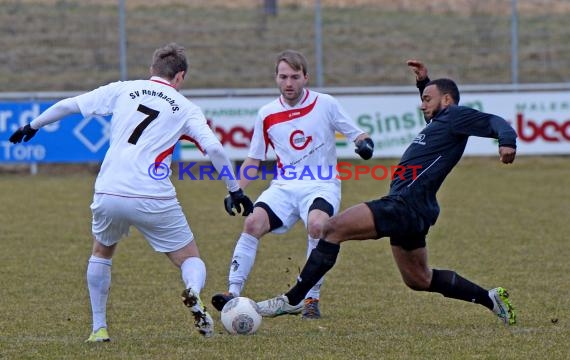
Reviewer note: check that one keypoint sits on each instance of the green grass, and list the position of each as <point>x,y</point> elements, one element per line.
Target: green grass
<point>71,45</point>
<point>499,226</point>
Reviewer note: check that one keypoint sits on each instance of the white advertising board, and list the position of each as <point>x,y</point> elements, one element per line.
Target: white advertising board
<point>541,119</point>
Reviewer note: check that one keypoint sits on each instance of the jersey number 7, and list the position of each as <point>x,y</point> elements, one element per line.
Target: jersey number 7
<point>152,114</point>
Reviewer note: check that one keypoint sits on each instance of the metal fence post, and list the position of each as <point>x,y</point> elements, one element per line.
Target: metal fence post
<point>122,41</point>
<point>318,44</point>
<point>514,43</point>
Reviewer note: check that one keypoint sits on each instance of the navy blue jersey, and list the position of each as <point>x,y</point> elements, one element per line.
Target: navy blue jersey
<point>437,149</point>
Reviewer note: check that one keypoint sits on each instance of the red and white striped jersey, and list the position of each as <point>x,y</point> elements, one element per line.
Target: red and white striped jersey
<point>302,136</point>
<point>149,117</point>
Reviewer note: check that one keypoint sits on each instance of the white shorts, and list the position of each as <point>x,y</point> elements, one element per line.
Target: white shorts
<point>291,200</point>
<point>162,222</point>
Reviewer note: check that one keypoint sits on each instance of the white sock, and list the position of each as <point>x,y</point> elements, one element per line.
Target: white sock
<point>99,282</point>
<point>315,291</point>
<point>193,272</point>
<point>242,262</point>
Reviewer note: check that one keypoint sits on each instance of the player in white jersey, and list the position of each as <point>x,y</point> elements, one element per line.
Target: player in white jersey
<point>148,119</point>
<point>300,125</point>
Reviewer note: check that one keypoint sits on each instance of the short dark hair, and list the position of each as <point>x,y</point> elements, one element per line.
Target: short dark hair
<point>446,86</point>
<point>293,58</point>
<point>169,60</point>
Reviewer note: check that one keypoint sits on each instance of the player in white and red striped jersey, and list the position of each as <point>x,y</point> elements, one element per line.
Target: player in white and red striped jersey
<point>133,186</point>
<point>300,126</point>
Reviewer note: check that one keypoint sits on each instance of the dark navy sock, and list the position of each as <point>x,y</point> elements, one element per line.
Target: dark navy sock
<point>321,260</point>
<point>451,285</point>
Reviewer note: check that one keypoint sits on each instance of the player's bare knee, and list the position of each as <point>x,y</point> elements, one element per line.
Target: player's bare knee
<point>327,228</point>
<point>315,228</point>
<point>255,226</point>
<point>179,256</point>
<point>103,251</point>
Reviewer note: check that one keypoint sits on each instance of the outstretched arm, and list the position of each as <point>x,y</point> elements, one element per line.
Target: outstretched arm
<point>469,121</point>
<point>421,72</point>
<point>55,112</point>
<point>418,68</point>
<point>52,114</point>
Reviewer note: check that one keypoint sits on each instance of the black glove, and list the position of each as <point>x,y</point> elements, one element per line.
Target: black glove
<point>237,199</point>
<point>25,133</point>
<point>365,148</point>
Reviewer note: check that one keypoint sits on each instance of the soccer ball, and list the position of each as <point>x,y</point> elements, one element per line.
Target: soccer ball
<point>240,316</point>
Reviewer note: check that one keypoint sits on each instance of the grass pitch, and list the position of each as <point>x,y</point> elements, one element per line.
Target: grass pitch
<point>499,226</point>
<point>60,45</point>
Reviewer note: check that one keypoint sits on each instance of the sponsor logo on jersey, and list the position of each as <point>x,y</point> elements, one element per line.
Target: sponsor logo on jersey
<point>420,139</point>
<point>298,140</point>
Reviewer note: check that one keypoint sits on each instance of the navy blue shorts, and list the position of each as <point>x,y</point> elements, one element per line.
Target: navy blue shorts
<point>394,218</point>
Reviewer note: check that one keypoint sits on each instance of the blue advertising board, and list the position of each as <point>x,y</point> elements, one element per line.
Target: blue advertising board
<point>73,139</point>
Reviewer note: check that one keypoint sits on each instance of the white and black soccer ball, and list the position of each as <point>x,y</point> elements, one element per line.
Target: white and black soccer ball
<point>240,316</point>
